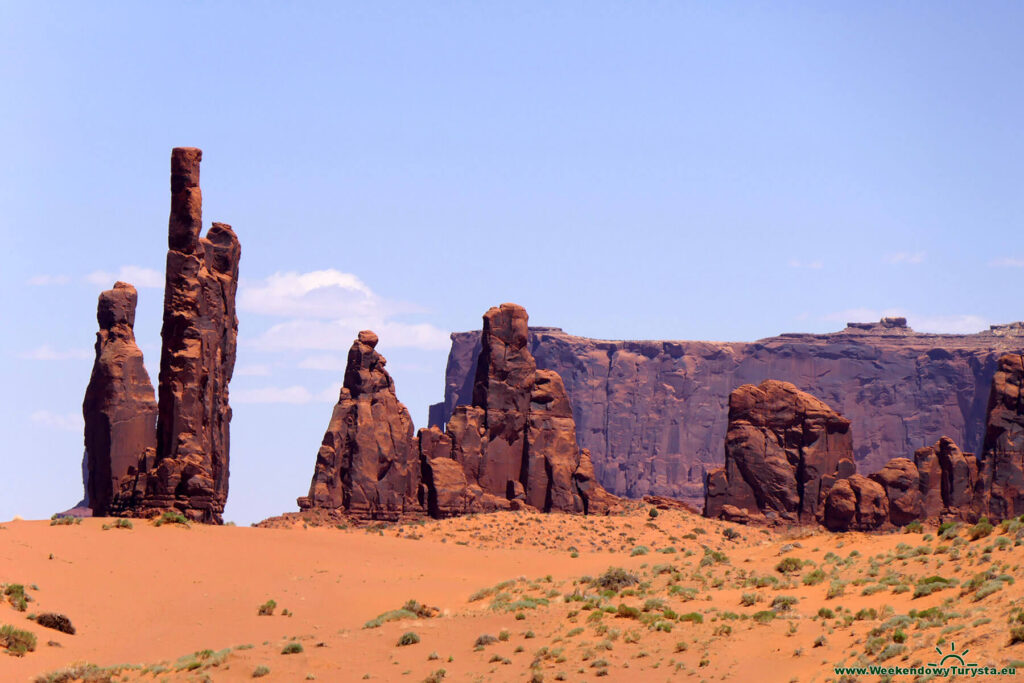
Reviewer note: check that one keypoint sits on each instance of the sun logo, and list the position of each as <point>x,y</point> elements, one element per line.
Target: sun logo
<point>952,655</point>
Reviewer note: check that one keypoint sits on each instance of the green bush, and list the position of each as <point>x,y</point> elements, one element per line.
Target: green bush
<point>783,603</point>
<point>260,671</point>
<point>267,608</point>
<point>292,648</point>
<point>615,578</point>
<point>692,617</point>
<point>16,641</point>
<point>408,638</point>
<point>764,616</point>
<point>788,565</point>
<point>171,517</point>
<point>980,530</point>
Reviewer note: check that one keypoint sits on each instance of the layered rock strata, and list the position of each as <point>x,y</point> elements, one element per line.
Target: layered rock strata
<point>120,408</point>
<point>1002,490</point>
<point>654,414</point>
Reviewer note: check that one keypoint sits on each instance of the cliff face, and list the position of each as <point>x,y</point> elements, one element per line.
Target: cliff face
<point>654,414</point>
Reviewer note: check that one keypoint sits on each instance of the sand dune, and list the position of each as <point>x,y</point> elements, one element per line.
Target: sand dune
<point>151,597</point>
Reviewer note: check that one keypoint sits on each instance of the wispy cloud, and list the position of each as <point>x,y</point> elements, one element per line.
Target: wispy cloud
<point>253,370</point>
<point>1007,262</point>
<point>45,280</point>
<point>46,352</point>
<point>295,395</point>
<point>326,309</point>
<point>66,422</point>
<point>944,324</point>
<point>324,362</point>
<point>135,275</point>
<point>905,257</point>
<point>812,265</point>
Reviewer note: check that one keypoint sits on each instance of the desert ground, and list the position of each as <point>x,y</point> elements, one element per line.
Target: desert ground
<point>512,596</point>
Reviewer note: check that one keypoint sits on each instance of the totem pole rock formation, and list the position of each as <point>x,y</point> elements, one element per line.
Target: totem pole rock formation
<point>515,447</point>
<point>120,408</point>
<point>200,328</point>
<point>1002,491</point>
<point>784,449</point>
<point>368,464</point>
<point>517,443</point>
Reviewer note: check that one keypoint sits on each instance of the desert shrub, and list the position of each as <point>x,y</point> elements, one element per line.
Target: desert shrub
<point>748,599</point>
<point>627,612</point>
<point>292,648</point>
<point>267,608</point>
<point>914,527</point>
<point>814,577</point>
<point>826,613</point>
<point>58,622</point>
<point>16,641</point>
<point>949,530</point>
<point>17,596</point>
<point>615,578</point>
<point>484,639</point>
<point>764,616</point>
<point>171,517</point>
<point>788,565</point>
<point>692,617</point>
<point>930,584</point>
<point>980,530</point>
<point>730,533</point>
<point>783,603</point>
<point>438,676</point>
<point>835,589</point>
<point>64,520</point>
<point>408,638</point>
<point>653,513</point>
<point>260,671</point>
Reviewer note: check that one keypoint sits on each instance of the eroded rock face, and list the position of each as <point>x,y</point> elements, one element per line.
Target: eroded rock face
<point>1002,493</point>
<point>855,503</point>
<point>120,407</point>
<point>654,414</point>
<point>901,483</point>
<point>369,462</point>
<point>200,328</point>
<point>782,453</point>
<point>516,445</point>
<point>948,480</point>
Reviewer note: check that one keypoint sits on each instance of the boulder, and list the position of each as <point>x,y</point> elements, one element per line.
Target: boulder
<point>783,450</point>
<point>901,482</point>
<point>855,504</point>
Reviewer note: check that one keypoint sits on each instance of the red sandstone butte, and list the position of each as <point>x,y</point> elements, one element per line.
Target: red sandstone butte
<point>1002,490</point>
<point>120,408</point>
<point>199,336</point>
<point>654,414</point>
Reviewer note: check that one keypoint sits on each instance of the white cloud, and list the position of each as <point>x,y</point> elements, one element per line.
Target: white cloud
<point>326,309</point>
<point>320,335</point>
<point>949,324</point>
<point>812,265</point>
<point>899,257</point>
<point>135,275</point>
<point>942,324</point>
<point>43,280</point>
<point>254,370</point>
<point>69,422</point>
<point>1008,262</point>
<point>46,352</point>
<point>295,395</point>
<point>324,362</point>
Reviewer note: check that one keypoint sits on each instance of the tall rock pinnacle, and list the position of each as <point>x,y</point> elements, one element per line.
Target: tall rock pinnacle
<point>197,358</point>
<point>119,407</point>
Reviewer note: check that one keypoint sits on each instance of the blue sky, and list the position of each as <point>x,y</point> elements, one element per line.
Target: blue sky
<point>722,171</point>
